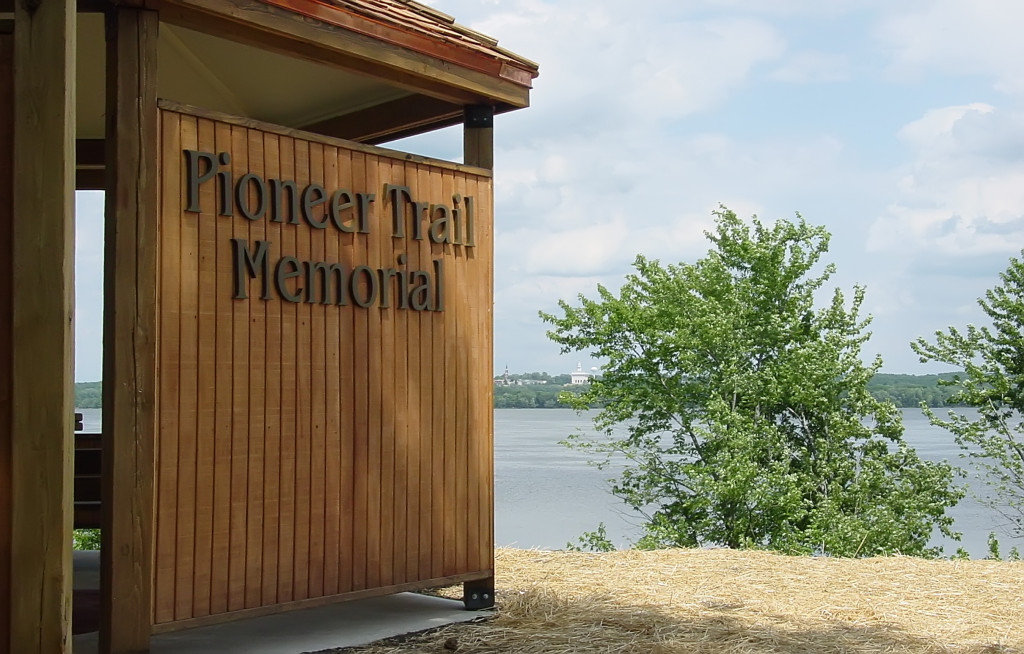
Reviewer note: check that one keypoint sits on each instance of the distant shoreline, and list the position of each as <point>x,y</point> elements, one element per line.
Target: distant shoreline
<point>538,390</point>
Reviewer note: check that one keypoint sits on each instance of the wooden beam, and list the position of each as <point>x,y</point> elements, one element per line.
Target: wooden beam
<point>90,165</point>
<point>406,116</point>
<point>478,136</point>
<point>91,180</point>
<point>90,153</point>
<point>42,279</point>
<point>129,332</point>
<point>6,226</point>
<point>84,6</point>
<point>259,24</point>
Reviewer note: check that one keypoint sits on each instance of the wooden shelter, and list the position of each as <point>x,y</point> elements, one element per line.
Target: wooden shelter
<point>297,323</point>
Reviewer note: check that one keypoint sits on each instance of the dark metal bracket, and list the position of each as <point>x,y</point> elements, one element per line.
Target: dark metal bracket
<point>479,594</point>
<point>478,116</point>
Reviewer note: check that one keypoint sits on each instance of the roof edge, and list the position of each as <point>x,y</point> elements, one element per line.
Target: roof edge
<point>484,55</point>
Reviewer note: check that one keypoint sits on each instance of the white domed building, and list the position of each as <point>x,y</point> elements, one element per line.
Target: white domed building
<point>579,376</point>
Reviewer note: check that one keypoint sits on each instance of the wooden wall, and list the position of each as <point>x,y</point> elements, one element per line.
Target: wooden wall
<point>6,211</point>
<point>308,450</point>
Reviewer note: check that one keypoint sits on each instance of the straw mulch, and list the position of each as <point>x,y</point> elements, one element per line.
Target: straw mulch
<point>731,601</point>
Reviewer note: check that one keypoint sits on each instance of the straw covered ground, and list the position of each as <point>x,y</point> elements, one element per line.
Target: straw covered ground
<point>731,601</point>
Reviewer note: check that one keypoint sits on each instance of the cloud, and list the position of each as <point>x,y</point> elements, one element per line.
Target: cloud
<point>602,64</point>
<point>960,38</point>
<point>935,130</point>
<point>963,192</point>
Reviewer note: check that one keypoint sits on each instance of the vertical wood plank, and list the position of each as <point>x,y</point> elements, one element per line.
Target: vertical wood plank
<point>426,432</point>
<point>6,252</point>
<point>188,363</point>
<point>373,423</point>
<point>316,390</point>
<point>394,478</point>
<point>224,393</point>
<point>206,409</point>
<point>289,417</point>
<point>451,393</point>
<point>332,394</point>
<point>475,377</point>
<point>239,405</point>
<point>272,459</point>
<point>360,412</point>
<point>303,451</point>
<point>41,427</point>
<point>408,351</point>
<point>460,283</point>
<point>257,410</point>
<point>349,245</point>
<point>485,240</point>
<point>438,407</point>
<point>169,350</point>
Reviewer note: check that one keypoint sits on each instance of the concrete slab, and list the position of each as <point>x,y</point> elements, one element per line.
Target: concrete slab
<point>347,624</point>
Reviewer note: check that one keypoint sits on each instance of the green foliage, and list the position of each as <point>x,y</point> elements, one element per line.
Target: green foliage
<point>522,391</point>
<point>901,390</point>
<point>89,395</point>
<point>992,358</point>
<point>85,539</point>
<point>593,541</point>
<point>911,390</point>
<point>534,396</point>
<point>993,547</point>
<point>746,413</point>
<point>961,555</point>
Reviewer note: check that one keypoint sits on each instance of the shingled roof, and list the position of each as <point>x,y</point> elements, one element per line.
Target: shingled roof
<point>417,27</point>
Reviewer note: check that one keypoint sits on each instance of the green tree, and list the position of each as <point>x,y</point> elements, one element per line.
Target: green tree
<point>992,358</point>
<point>743,414</point>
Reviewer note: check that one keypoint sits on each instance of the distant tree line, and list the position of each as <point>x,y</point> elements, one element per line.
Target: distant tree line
<point>901,390</point>
<point>531,390</point>
<point>522,391</point>
<point>89,395</point>
<point>912,390</point>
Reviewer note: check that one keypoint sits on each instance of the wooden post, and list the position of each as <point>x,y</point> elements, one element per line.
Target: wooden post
<point>478,150</point>
<point>6,219</point>
<point>478,136</point>
<point>43,289</point>
<point>129,331</point>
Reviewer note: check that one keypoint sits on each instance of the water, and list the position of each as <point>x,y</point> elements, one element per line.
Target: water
<point>546,495</point>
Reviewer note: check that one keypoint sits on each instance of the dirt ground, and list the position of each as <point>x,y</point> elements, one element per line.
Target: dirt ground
<point>717,601</point>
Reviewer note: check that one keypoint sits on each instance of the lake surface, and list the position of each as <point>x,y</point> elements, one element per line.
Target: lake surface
<point>546,495</point>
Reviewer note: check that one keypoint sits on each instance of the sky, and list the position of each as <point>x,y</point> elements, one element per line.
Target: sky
<point>898,126</point>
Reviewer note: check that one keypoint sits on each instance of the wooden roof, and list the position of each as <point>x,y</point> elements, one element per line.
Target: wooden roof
<point>427,66</point>
<point>363,70</point>
<point>410,24</point>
